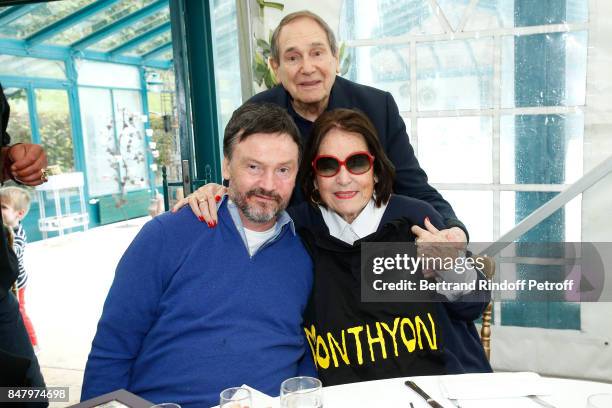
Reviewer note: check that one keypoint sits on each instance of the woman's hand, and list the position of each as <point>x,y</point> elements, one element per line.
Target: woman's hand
<point>203,202</point>
<point>439,244</point>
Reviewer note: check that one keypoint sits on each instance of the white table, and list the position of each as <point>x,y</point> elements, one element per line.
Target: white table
<point>393,393</point>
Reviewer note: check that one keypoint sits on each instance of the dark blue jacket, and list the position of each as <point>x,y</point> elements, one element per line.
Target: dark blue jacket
<point>381,109</point>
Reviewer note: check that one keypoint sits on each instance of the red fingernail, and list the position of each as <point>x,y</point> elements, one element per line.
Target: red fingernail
<point>214,224</point>
<point>217,198</point>
<point>210,225</point>
<point>201,218</point>
<point>427,219</point>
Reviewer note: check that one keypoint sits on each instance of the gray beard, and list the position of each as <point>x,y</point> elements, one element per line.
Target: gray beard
<point>257,214</point>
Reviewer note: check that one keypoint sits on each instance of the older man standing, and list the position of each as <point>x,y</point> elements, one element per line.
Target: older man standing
<point>194,310</point>
<point>304,57</point>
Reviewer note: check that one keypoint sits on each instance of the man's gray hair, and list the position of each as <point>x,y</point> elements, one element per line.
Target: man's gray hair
<point>331,38</point>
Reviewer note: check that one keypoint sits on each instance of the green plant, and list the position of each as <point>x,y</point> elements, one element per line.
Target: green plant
<point>262,71</point>
<point>345,59</point>
<point>272,4</point>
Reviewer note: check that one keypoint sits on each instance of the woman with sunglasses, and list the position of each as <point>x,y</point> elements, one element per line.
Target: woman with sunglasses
<point>347,180</point>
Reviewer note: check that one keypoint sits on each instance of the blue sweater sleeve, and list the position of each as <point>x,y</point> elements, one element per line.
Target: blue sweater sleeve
<point>129,311</point>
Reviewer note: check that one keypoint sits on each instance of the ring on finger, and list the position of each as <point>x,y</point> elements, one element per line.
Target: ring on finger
<point>44,176</point>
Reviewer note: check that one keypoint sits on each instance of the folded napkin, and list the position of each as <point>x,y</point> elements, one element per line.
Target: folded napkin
<point>261,400</point>
<point>493,385</point>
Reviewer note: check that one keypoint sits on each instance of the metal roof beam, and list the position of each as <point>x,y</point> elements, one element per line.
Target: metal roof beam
<point>56,52</point>
<point>157,51</point>
<point>13,13</point>
<point>68,21</point>
<point>136,41</point>
<point>119,25</point>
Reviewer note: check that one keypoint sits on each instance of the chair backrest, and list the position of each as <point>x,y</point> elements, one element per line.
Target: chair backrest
<point>485,331</point>
<point>195,184</point>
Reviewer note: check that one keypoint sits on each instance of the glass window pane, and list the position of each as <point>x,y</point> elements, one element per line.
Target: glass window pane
<point>544,70</point>
<point>227,61</point>
<point>99,140</point>
<point>130,135</point>
<point>151,45</point>
<point>453,11</point>
<point>455,74</point>
<point>464,143</point>
<point>19,126</point>
<point>98,21</point>
<point>491,14</point>
<point>41,17</point>
<point>31,67</point>
<point>564,225</point>
<point>475,210</point>
<point>386,68</point>
<point>55,128</point>
<point>141,27</point>
<point>541,149</point>
<point>164,122</point>
<point>387,18</point>
<point>108,75</point>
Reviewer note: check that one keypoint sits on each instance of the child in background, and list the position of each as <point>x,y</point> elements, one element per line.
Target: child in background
<point>15,203</point>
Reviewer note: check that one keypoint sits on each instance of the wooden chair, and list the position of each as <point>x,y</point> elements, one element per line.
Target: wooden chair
<point>485,331</point>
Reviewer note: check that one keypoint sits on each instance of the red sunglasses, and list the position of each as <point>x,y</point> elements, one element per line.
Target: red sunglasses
<point>357,163</point>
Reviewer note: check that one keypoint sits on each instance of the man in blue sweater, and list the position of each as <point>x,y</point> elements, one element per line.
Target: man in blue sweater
<point>194,310</point>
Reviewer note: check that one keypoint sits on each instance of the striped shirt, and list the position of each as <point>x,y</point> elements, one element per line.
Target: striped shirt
<point>19,243</point>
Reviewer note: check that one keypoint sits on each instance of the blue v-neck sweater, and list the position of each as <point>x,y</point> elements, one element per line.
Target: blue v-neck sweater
<point>190,313</point>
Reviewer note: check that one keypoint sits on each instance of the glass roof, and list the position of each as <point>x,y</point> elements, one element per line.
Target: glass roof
<point>166,56</point>
<point>141,27</point>
<point>31,67</point>
<point>99,21</point>
<point>151,45</point>
<point>34,27</point>
<point>40,17</point>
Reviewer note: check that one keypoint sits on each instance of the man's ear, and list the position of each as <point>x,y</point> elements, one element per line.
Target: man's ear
<point>225,168</point>
<point>274,65</point>
<point>337,57</point>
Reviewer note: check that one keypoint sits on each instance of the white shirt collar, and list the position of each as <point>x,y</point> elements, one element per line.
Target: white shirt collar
<point>366,223</point>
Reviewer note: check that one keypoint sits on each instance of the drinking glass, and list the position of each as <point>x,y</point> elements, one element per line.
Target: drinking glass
<point>301,392</point>
<point>235,397</point>
<point>166,405</point>
<point>599,401</point>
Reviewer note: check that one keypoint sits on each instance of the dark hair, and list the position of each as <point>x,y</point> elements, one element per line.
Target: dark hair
<point>331,38</point>
<point>350,121</point>
<point>253,118</point>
